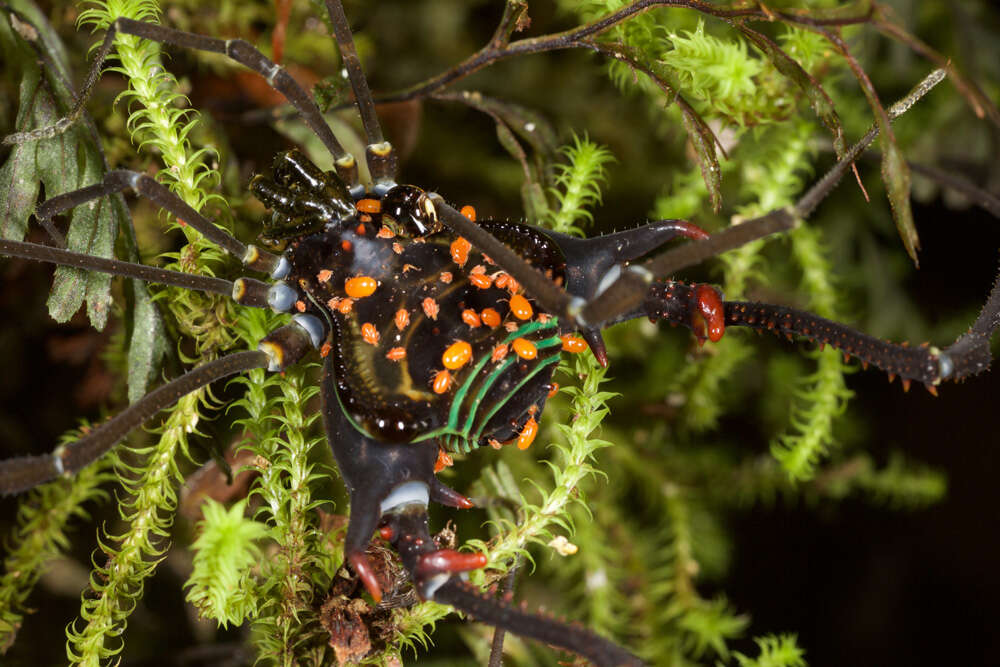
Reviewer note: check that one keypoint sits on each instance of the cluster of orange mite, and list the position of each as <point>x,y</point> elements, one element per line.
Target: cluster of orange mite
<point>459,353</point>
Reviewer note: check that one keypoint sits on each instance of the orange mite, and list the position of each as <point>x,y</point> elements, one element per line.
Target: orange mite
<point>480,280</point>
<point>469,212</point>
<point>369,206</point>
<point>325,350</point>
<point>525,349</point>
<point>402,318</point>
<point>528,434</point>
<point>324,275</point>
<point>444,460</point>
<point>445,277</point>
<point>490,317</point>
<point>521,307</point>
<point>369,333</point>
<point>499,353</point>
<point>553,389</point>
<point>385,233</point>
<point>431,308</point>
<point>470,317</point>
<point>360,287</point>
<point>396,354</point>
<point>345,306</point>
<point>506,281</point>
<point>300,306</point>
<point>441,382</point>
<point>457,355</point>
<point>574,344</point>
<point>460,251</point>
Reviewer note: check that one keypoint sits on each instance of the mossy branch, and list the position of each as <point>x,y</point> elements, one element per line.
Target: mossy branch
<point>130,557</point>
<point>42,521</point>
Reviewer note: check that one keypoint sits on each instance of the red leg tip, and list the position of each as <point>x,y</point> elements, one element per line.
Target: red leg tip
<point>691,231</point>
<point>596,344</point>
<point>360,564</point>
<point>450,497</point>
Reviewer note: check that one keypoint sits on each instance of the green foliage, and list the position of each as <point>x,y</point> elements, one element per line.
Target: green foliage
<point>824,396</point>
<point>780,651</point>
<point>42,520</point>
<point>64,163</point>
<point>719,73</point>
<point>157,121</point>
<point>224,553</point>
<point>130,557</point>
<point>571,465</point>
<point>43,99</point>
<point>900,484</point>
<point>683,624</point>
<point>577,188</point>
<point>291,580</point>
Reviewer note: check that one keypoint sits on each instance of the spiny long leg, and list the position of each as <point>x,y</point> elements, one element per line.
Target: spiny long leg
<point>144,186</point>
<point>236,49</point>
<point>22,473</point>
<point>629,290</point>
<point>278,350</point>
<point>969,355</point>
<point>245,291</point>
<point>623,295</point>
<point>680,304</point>
<point>379,154</point>
<point>621,298</point>
<point>600,651</point>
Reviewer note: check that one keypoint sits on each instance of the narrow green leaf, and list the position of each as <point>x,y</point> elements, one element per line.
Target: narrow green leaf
<point>147,341</point>
<point>896,175</point>
<point>19,184</point>
<point>536,206</point>
<point>529,125</point>
<point>787,66</point>
<point>703,141</point>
